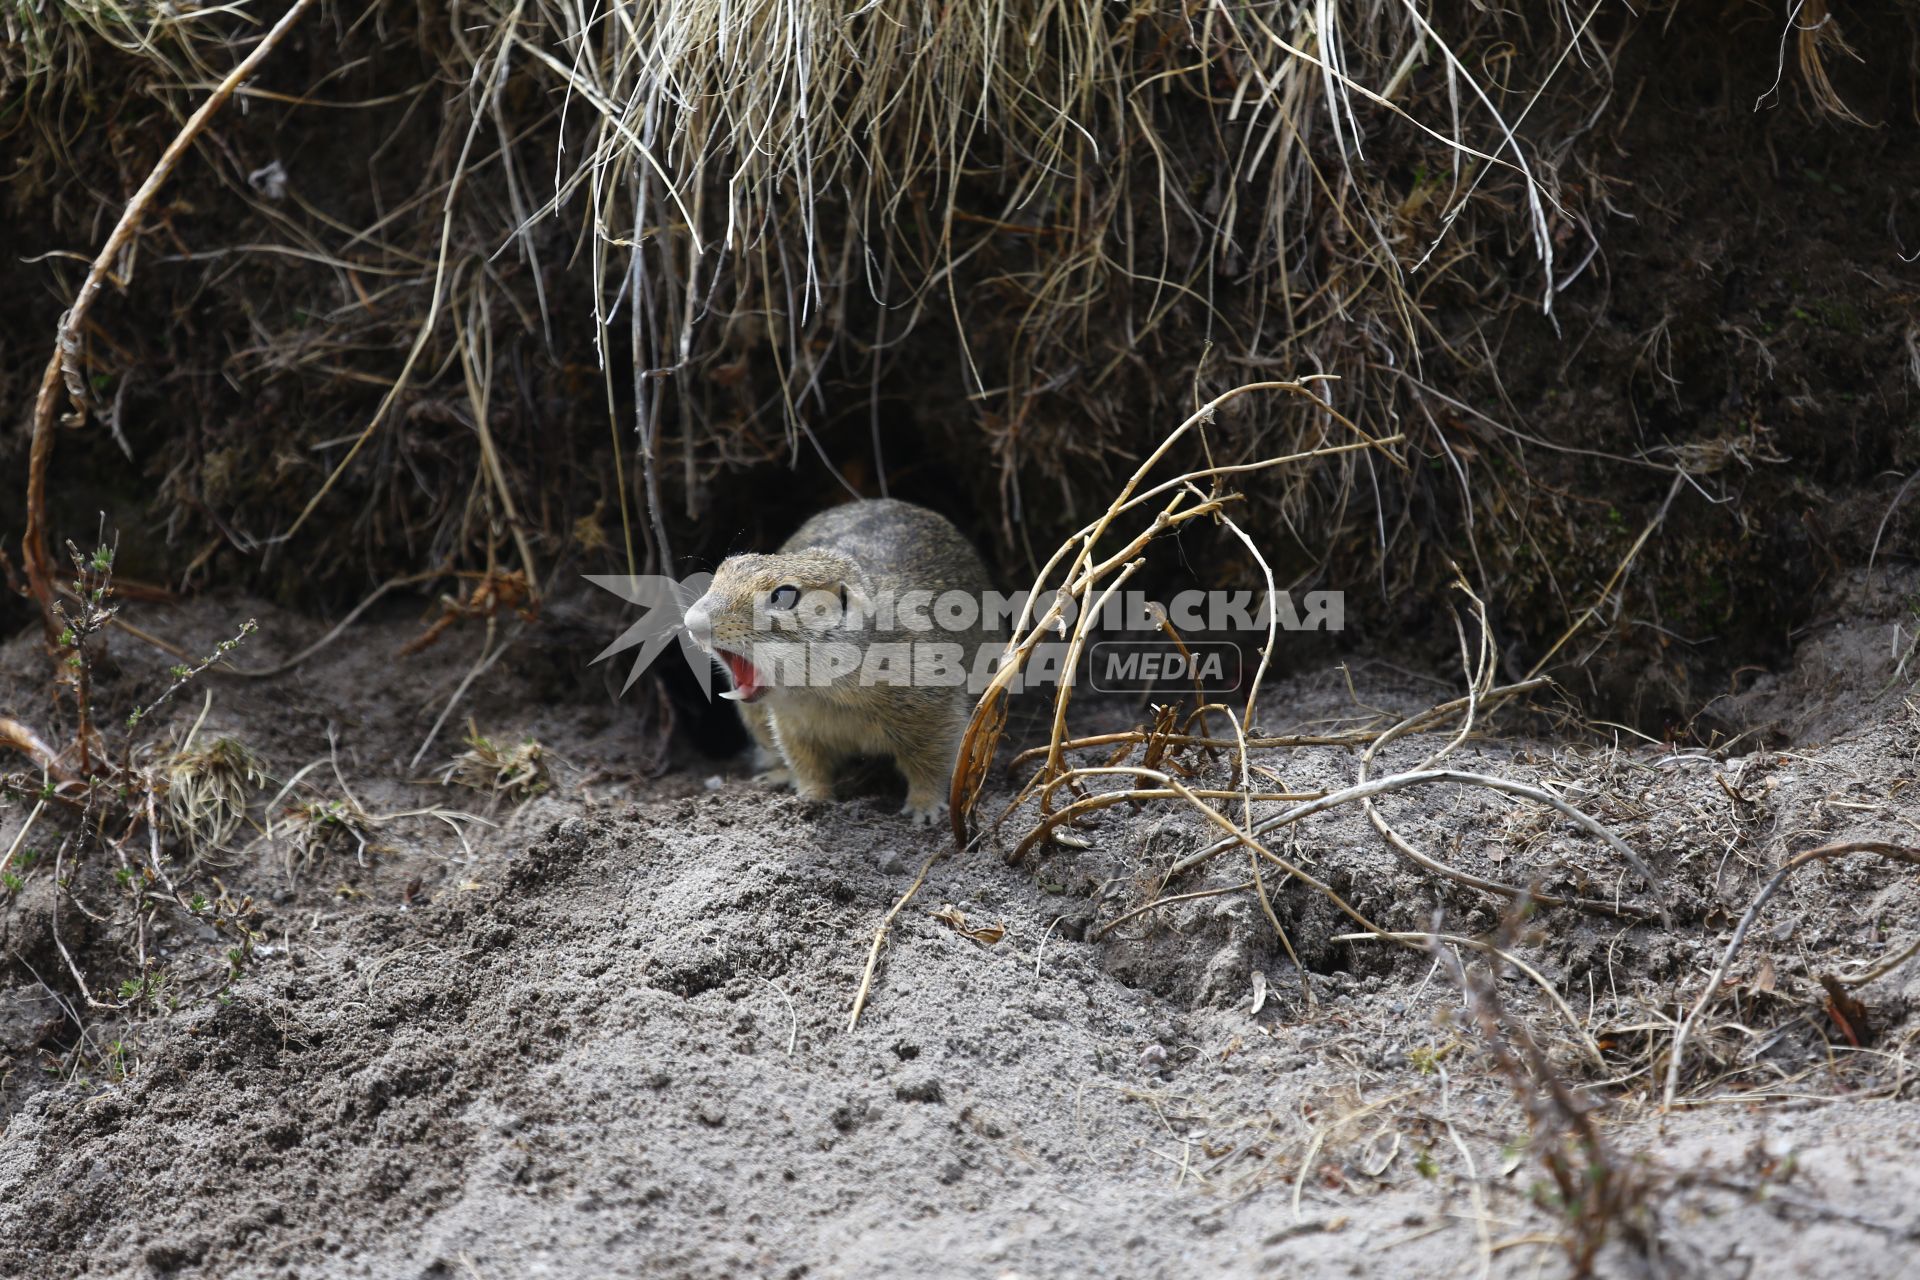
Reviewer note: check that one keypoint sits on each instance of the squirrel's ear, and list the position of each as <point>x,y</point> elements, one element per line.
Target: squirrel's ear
<point>853,582</point>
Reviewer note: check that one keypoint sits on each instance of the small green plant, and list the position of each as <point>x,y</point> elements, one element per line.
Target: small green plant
<point>184,675</point>
<point>119,794</point>
<point>518,772</point>
<point>327,813</point>
<point>316,825</point>
<point>150,989</point>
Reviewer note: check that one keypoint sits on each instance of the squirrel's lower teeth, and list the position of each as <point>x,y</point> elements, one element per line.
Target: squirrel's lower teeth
<point>746,679</point>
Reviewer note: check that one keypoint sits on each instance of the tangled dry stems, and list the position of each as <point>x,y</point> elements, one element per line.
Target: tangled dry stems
<point>209,786</point>
<point>1676,1054</point>
<point>1078,579</point>
<point>514,771</point>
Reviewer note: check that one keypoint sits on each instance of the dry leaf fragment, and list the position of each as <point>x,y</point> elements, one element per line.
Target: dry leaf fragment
<point>1848,1014</point>
<point>985,934</point>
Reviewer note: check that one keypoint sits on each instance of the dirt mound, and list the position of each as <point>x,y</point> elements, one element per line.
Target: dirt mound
<point>608,1036</point>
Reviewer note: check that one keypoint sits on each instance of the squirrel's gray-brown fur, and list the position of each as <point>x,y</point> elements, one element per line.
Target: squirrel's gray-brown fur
<point>844,562</point>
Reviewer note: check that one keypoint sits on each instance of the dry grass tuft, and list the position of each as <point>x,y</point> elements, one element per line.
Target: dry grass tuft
<point>514,772</point>
<point>209,786</point>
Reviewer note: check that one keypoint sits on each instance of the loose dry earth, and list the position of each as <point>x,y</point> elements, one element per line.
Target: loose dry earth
<point>605,1033</point>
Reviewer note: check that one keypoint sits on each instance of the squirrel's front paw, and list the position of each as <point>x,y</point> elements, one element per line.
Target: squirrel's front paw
<point>776,778</point>
<point>925,813</point>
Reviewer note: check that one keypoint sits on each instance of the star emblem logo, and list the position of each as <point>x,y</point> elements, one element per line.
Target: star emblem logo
<point>663,606</point>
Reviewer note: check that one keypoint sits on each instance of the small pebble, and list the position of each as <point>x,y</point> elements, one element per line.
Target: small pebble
<point>715,782</point>
<point>890,861</point>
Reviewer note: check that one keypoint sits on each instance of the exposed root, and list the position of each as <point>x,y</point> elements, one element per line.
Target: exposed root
<point>63,370</point>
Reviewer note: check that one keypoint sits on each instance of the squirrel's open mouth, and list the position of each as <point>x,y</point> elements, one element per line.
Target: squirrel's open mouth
<point>747,684</point>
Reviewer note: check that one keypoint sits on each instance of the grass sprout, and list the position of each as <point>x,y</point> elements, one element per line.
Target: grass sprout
<point>515,772</point>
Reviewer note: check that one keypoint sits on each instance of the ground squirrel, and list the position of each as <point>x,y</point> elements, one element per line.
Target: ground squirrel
<point>860,636</point>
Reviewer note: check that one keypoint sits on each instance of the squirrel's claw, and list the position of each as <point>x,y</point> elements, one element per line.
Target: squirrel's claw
<point>925,815</point>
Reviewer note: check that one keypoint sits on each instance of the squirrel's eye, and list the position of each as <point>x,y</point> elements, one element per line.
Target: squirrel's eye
<point>785,597</point>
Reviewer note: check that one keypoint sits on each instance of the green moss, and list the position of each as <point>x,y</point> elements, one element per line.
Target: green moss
<point>1841,316</point>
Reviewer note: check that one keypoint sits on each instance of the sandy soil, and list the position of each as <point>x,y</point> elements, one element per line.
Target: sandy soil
<point>607,1034</point>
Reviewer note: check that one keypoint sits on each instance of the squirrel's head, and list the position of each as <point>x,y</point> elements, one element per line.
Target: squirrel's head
<point>758,603</point>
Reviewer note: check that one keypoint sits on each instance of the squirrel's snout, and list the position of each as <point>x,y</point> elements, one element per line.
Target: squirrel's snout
<point>700,624</point>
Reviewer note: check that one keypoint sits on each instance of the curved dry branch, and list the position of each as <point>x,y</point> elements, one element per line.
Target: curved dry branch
<point>66,345</point>
<point>1084,805</point>
<point>1143,908</point>
<point>1084,575</point>
<point>1236,836</point>
<point>1480,678</point>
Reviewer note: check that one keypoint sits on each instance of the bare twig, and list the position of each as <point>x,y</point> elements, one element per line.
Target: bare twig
<point>880,938</point>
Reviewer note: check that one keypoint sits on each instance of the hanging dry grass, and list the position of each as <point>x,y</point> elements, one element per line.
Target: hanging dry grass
<point>1055,188</point>
<point>560,273</point>
<point>1061,192</point>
